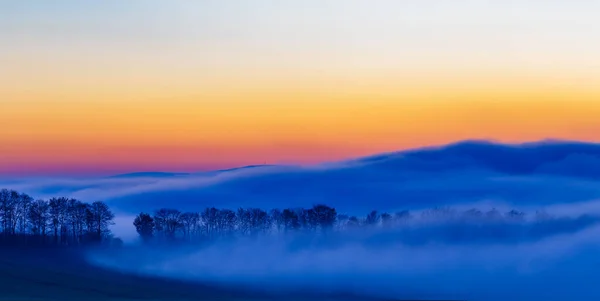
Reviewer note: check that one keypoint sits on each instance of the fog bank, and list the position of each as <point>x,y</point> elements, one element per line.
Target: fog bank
<point>560,265</point>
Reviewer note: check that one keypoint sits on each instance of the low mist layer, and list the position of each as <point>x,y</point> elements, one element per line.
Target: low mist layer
<point>553,259</point>
<point>550,258</point>
<point>521,175</point>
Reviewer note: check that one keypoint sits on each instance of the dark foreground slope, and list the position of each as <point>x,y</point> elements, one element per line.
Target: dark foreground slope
<point>53,275</point>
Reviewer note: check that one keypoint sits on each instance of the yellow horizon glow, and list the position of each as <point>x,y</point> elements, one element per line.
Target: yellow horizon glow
<point>186,85</point>
<point>245,127</point>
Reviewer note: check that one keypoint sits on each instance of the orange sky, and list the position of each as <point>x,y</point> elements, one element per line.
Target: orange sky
<point>181,86</point>
<point>187,133</point>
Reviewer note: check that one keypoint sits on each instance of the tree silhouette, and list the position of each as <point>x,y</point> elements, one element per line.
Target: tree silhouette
<point>66,221</point>
<point>386,219</point>
<point>226,222</point>
<point>290,220</point>
<point>168,221</point>
<point>144,225</point>
<point>277,219</point>
<point>58,217</point>
<point>324,216</point>
<point>38,216</point>
<point>209,217</point>
<point>100,217</point>
<point>373,218</point>
<point>353,222</point>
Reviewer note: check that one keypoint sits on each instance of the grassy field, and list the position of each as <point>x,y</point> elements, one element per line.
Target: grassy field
<point>65,276</point>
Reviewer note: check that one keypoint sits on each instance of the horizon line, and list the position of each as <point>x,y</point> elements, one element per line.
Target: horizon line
<point>125,173</point>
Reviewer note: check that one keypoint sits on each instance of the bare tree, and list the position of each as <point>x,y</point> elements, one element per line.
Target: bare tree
<point>226,222</point>
<point>21,209</point>
<point>209,217</point>
<point>277,219</point>
<point>39,216</point>
<point>168,221</point>
<point>66,220</point>
<point>244,221</point>
<point>324,216</point>
<point>290,220</point>
<point>100,218</point>
<point>342,222</point>
<point>260,221</point>
<point>353,222</point>
<point>8,206</point>
<point>373,218</point>
<point>386,220</point>
<point>188,221</point>
<point>402,218</point>
<point>58,217</point>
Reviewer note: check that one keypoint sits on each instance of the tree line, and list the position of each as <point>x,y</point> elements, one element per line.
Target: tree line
<point>62,221</point>
<point>213,223</point>
<point>58,221</point>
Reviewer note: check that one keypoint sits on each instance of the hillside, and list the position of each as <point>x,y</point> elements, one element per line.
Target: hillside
<point>530,174</point>
<point>65,276</point>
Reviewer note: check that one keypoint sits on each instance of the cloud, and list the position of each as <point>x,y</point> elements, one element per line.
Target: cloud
<point>534,174</point>
<point>543,174</point>
<point>559,176</point>
<point>462,270</point>
<point>495,262</point>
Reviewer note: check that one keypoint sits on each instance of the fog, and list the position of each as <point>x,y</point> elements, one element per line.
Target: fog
<point>550,173</point>
<point>555,259</point>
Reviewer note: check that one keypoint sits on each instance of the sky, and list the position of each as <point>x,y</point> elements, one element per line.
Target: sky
<point>102,87</point>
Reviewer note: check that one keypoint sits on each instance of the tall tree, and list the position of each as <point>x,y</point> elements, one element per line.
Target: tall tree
<point>402,218</point>
<point>277,219</point>
<point>188,223</point>
<point>21,209</point>
<point>66,220</point>
<point>373,218</point>
<point>259,221</point>
<point>39,217</point>
<point>353,222</point>
<point>168,221</point>
<point>8,206</point>
<point>226,222</point>
<point>80,214</point>
<point>100,218</point>
<point>386,220</point>
<point>307,219</point>
<point>72,218</point>
<point>144,225</point>
<point>290,220</point>
<point>342,221</point>
<point>58,216</point>
<point>209,217</point>
<point>324,216</point>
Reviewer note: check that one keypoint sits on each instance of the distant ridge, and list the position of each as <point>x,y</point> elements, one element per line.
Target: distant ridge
<point>245,167</point>
<point>542,156</point>
<point>542,172</point>
<point>158,174</point>
<point>478,143</point>
<point>153,174</point>
<point>549,157</point>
